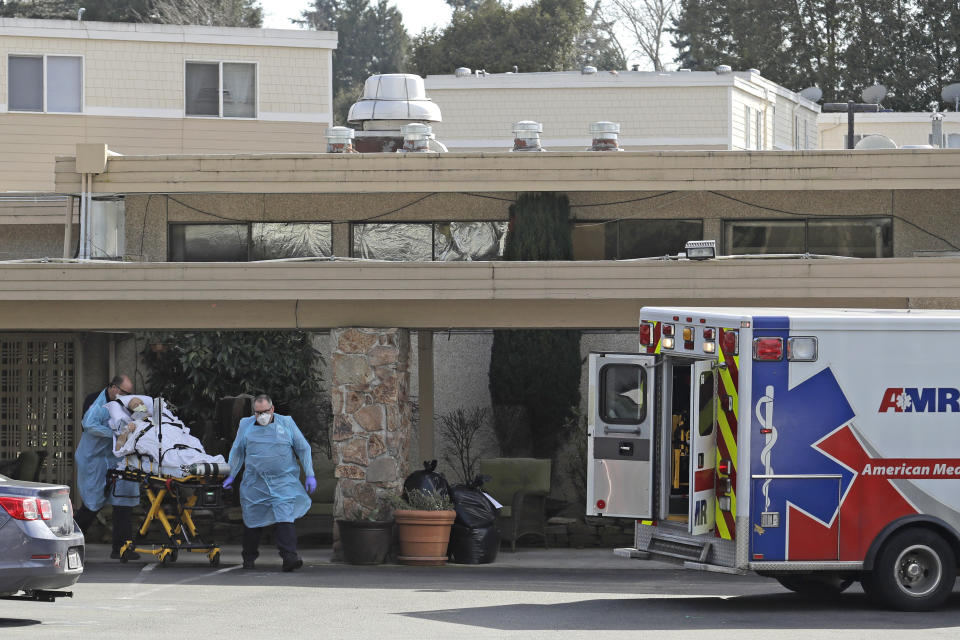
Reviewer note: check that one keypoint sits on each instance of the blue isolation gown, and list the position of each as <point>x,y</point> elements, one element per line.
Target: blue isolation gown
<point>271,455</point>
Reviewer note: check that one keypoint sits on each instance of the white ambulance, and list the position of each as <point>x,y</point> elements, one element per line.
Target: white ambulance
<point>815,446</point>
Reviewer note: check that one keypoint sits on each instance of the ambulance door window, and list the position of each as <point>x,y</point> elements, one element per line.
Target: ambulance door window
<point>707,412</point>
<point>622,396</point>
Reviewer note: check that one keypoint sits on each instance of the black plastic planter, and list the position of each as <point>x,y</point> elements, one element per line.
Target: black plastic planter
<point>365,541</point>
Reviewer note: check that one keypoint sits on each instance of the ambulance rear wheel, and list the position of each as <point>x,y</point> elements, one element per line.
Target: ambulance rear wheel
<point>815,585</point>
<point>915,571</point>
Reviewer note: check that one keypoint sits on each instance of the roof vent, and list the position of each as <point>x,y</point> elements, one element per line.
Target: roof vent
<point>752,70</point>
<point>340,140</point>
<point>722,68</point>
<point>588,70</point>
<point>605,136</point>
<point>416,137</point>
<point>526,135</point>
<point>463,72</point>
<point>394,96</point>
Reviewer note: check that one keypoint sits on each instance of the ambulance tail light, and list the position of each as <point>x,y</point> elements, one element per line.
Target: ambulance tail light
<point>768,349</point>
<point>646,334</point>
<point>667,329</point>
<point>724,467</point>
<point>725,503</point>
<point>730,342</point>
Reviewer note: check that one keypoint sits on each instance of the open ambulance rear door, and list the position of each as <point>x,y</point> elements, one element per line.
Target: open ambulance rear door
<point>621,423</point>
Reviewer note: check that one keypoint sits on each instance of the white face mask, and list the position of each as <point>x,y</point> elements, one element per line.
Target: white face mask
<point>264,419</point>
<point>140,413</point>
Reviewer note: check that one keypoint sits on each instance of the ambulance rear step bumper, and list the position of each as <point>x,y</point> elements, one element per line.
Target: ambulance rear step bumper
<point>637,554</point>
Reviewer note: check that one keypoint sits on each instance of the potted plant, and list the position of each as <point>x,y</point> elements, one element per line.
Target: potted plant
<point>366,537</point>
<point>423,526</point>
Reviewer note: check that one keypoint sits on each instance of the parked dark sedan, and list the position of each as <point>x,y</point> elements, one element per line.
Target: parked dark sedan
<point>41,547</point>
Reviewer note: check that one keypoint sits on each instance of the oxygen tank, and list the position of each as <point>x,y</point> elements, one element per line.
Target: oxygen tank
<point>206,469</point>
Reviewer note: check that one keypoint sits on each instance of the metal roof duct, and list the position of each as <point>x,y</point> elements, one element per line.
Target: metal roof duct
<point>393,97</point>
<point>340,140</point>
<point>605,136</point>
<point>416,137</point>
<point>526,135</point>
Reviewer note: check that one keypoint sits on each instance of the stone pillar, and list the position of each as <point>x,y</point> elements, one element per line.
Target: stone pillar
<point>371,430</point>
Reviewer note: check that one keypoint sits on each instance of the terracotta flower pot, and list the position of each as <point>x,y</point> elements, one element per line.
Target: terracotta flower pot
<point>365,541</point>
<point>424,536</point>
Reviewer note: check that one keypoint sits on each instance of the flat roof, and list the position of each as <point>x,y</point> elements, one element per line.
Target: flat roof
<point>171,33</point>
<point>747,80</point>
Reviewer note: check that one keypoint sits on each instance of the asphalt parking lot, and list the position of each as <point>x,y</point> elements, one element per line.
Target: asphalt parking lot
<point>565,593</point>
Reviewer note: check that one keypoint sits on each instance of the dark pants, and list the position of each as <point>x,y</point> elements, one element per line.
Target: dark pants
<point>286,535</point>
<point>122,528</point>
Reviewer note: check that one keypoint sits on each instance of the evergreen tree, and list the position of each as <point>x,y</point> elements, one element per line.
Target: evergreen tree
<point>372,39</point>
<point>535,374</point>
<point>541,36</point>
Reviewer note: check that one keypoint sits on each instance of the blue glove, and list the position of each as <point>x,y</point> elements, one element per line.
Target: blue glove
<point>310,484</point>
<point>228,482</point>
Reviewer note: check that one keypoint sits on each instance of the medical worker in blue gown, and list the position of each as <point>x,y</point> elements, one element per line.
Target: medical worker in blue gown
<point>272,450</point>
<point>93,458</point>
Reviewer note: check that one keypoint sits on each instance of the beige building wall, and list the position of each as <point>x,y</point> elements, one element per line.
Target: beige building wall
<point>670,110</point>
<point>134,96</point>
<point>902,128</point>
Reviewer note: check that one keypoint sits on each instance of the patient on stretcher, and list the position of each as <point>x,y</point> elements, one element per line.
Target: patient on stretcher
<point>168,444</point>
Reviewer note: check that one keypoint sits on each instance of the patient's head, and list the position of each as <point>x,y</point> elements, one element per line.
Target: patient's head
<point>137,409</point>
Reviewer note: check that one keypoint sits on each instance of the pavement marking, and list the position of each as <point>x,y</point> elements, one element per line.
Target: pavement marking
<point>161,587</point>
<point>141,575</point>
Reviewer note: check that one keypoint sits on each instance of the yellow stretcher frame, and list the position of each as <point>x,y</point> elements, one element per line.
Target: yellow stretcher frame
<point>158,488</point>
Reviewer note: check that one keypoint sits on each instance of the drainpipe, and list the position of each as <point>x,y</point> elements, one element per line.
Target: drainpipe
<point>82,253</point>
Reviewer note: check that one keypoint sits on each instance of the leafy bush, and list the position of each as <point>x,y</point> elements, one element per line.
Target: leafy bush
<point>193,369</point>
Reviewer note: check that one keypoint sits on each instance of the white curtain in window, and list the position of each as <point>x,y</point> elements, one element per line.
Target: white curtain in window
<point>25,83</point>
<point>203,89</point>
<point>239,90</point>
<point>65,84</point>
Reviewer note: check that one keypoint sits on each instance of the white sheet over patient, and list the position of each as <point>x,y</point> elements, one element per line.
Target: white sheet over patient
<point>176,448</point>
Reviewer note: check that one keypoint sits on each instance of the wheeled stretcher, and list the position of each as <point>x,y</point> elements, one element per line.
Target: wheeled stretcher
<point>173,494</point>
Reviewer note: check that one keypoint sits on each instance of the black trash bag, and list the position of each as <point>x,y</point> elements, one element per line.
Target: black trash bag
<point>427,480</point>
<point>474,509</point>
<point>474,546</point>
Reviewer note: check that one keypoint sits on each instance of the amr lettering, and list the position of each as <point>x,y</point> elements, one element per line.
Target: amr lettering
<point>700,513</point>
<point>925,400</point>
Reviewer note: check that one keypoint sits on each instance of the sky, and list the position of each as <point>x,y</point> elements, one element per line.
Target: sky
<point>417,14</point>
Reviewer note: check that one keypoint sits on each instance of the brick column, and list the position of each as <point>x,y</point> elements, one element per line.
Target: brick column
<point>371,430</point>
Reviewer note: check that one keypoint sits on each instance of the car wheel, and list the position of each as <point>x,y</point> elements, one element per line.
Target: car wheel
<point>915,571</point>
<point>824,585</point>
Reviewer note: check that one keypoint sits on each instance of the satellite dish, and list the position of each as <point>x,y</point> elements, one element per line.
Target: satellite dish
<point>951,93</point>
<point>874,94</point>
<point>813,94</point>
<point>876,141</point>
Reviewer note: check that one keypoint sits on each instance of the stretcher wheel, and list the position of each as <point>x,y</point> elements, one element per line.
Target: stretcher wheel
<point>215,559</point>
<point>165,557</point>
<point>174,554</point>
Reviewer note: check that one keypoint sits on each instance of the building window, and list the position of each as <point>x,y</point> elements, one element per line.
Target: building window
<point>45,83</point>
<point>759,126</point>
<point>244,242</point>
<point>641,238</point>
<point>746,127</point>
<point>856,237</point>
<point>426,241</point>
<point>221,89</point>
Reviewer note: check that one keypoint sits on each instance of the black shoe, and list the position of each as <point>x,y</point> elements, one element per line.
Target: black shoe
<point>129,555</point>
<point>248,564</point>
<point>292,566</point>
